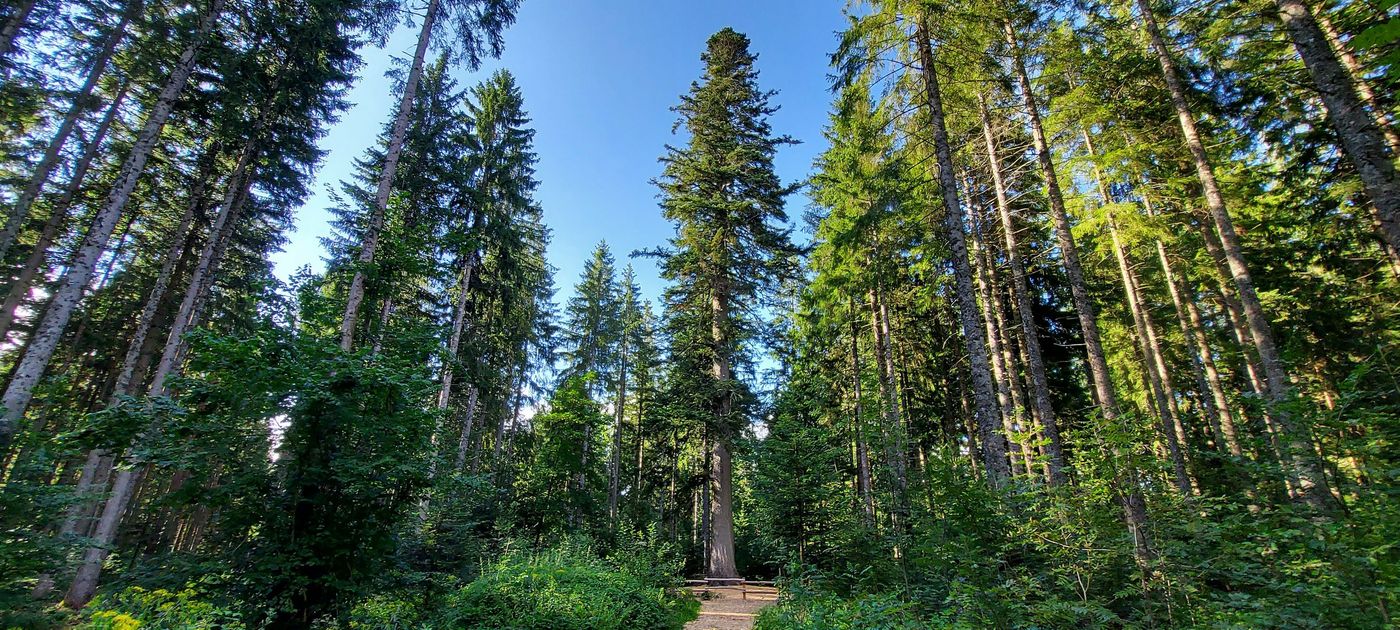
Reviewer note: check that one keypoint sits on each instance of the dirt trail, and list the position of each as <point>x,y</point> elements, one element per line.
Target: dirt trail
<point>731,607</point>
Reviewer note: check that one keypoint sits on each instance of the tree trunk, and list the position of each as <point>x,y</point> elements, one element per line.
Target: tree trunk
<point>720,554</point>
<point>1362,139</point>
<point>1020,294</point>
<point>58,216</point>
<point>889,401</point>
<point>1298,455</point>
<point>468,419</point>
<point>996,467</point>
<point>1009,409</point>
<point>356,294</point>
<point>1069,253</point>
<point>50,330</point>
<point>20,211</point>
<point>1357,74</point>
<point>14,22</point>
<point>200,282</point>
<point>1155,371</point>
<point>863,486</point>
<point>615,461</point>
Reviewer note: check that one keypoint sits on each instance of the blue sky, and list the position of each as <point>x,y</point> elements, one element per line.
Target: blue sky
<point>599,77</point>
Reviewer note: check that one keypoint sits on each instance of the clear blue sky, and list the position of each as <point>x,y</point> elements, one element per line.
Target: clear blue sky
<point>599,77</point>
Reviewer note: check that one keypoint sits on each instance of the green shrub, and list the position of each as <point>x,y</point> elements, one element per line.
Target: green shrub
<point>157,609</point>
<point>810,611</point>
<point>562,590</point>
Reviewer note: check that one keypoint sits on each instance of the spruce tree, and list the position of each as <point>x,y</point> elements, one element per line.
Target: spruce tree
<point>730,251</point>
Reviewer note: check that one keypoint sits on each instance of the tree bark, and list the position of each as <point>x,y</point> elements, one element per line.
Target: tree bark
<point>1020,294</point>
<point>50,330</point>
<point>1010,410</point>
<point>986,415</point>
<point>468,420</point>
<point>720,561</point>
<point>186,316</point>
<point>58,216</point>
<point>356,295</point>
<point>863,486</point>
<point>615,461</point>
<point>1298,455</point>
<point>20,211</point>
<point>1361,138</point>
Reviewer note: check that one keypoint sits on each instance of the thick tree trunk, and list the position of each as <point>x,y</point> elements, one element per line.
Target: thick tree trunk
<point>50,330</point>
<point>58,216</point>
<point>13,24</point>
<point>19,212</point>
<point>1357,73</point>
<point>720,561</point>
<point>1298,455</point>
<point>1361,138</point>
<point>356,294</point>
<point>1020,294</point>
<point>993,444</point>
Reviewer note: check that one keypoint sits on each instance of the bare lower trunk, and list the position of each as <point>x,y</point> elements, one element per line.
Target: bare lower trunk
<point>1153,369</point>
<point>58,216</point>
<point>200,282</point>
<point>993,443</point>
<point>1362,139</point>
<point>50,330</point>
<point>1000,371</point>
<point>1020,294</point>
<point>615,461</point>
<point>889,402</point>
<point>1215,401</point>
<point>468,420</point>
<point>1298,453</point>
<point>20,210</point>
<point>720,561</point>
<point>356,294</point>
<point>863,486</point>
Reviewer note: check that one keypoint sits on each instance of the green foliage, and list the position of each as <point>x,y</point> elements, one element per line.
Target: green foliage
<point>563,590</point>
<point>158,609</point>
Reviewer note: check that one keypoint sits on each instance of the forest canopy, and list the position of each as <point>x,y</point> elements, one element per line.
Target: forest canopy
<point>1085,315</point>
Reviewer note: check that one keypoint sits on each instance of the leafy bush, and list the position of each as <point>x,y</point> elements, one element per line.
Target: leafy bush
<point>158,609</point>
<point>813,611</point>
<point>563,590</point>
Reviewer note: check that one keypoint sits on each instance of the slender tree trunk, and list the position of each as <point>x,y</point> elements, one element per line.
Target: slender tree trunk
<point>1069,252</point>
<point>13,24</point>
<point>50,330</point>
<point>356,294</point>
<point>863,486</point>
<point>20,211</point>
<point>200,282</point>
<point>1020,294</point>
<point>1362,139</point>
<point>1152,369</point>
<point>993,445</point>
<point>615,461</point>
<point>1298,455</point>
<point>720,554</point>
<point>58,216</point>
<point>889,402</point>
<point>468,420</point>
<point>1009,410</point>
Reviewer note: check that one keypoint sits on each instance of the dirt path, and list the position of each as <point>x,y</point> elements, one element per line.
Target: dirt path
<point>731,607</point>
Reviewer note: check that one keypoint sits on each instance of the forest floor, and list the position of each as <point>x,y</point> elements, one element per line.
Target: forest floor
<point>731,607</point>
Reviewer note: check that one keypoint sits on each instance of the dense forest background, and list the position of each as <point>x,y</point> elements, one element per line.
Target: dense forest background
<point>1086,317</point>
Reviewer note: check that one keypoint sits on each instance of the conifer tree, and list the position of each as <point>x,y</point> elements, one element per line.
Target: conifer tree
<point>730,251</point>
